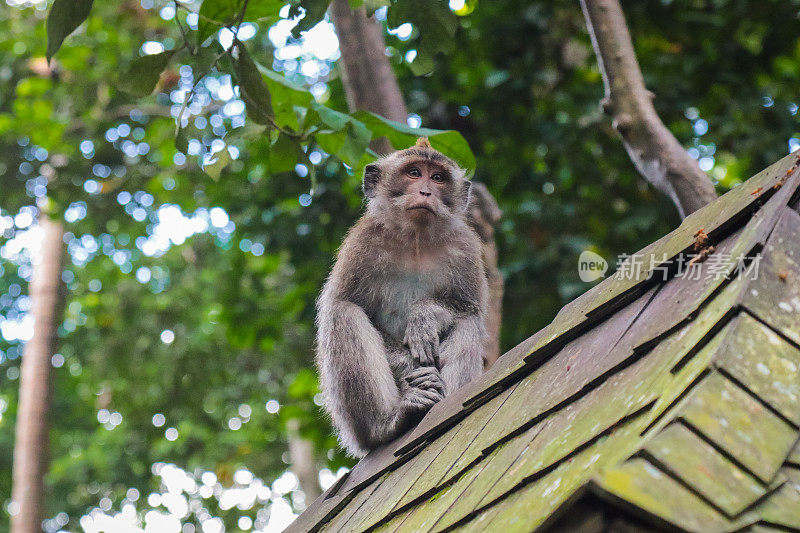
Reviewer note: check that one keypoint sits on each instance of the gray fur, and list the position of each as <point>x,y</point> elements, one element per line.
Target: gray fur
<point>400,321</point>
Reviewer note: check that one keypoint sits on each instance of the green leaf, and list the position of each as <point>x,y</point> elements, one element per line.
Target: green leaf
<point>264,10</point>
<point>314,11</point>
<point>422,64</point>
<point>449,142</point>
<point>181,140</point>
<point>283,154</point>
<point>288,91</point>
<point>64,18</point>
<point>141,76</point>
<point>286,97</point>
<point>356,142</point>
<point>349,138</point>
<point>331,118</point>
<point>217,13</point>
<point>214,14</point>
<point>252,88</point>
<point>219,161</point>
<point>331,142</point>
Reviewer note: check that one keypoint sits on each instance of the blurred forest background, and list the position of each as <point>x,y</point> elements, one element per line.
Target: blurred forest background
<point>182,371</point>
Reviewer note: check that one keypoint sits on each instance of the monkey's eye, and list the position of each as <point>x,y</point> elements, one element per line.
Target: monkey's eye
<point>438,178</point>
<point>414,172</point>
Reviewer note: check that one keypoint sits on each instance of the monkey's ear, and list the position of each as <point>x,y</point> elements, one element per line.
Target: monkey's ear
<point>372,175</point>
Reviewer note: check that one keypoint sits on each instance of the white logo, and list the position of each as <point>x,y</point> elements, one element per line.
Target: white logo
<point>591,266</point>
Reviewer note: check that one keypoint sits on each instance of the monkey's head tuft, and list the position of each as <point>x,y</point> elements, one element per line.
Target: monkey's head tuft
<point>423,142</point>
<point>417,187</point>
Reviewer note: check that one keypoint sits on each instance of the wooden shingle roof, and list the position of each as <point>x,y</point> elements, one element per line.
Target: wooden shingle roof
<point>672,397</point>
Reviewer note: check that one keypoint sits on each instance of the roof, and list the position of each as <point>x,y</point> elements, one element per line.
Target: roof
<point>674,398</point>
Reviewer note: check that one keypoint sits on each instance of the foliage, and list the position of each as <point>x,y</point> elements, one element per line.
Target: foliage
<point>295,119</point>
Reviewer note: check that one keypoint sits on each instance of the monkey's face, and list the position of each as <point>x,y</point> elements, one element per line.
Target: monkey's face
<point>418,189</point>
<point>423,189</point>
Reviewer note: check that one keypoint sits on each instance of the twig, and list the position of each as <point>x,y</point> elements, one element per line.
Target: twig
<point>182,30</point>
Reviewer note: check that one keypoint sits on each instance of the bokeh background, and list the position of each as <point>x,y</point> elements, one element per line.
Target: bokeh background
<point>184,361</point>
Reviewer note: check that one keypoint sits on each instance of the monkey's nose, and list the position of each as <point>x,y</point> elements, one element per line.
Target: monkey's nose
<point>425,193</point>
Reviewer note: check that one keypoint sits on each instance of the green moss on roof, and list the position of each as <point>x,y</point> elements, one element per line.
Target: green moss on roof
<point>677,400</point>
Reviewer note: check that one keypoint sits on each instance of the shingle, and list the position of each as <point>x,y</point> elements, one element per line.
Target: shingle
<point>327,505</point>
<point>610,445</point>
<point>388,495</point>
<point>782,508</point>
<point>700,465</point>
<point>642,485</point>
<point>693,368</point>
<point>341,521</point>
<point>775,296</point>
<point>530,506</point>
<point>471,441</point>
<point>792,473</point>
<point>794,456</point>
<point>764,363</point>
<point>426,516</point>
<point>739,425</point>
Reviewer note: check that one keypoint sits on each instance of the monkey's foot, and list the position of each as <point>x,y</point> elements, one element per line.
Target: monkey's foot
<point>426,378</point>
<point>421,400</point>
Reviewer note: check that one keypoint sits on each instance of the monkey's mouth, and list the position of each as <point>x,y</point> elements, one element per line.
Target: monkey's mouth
<point>421,207</point>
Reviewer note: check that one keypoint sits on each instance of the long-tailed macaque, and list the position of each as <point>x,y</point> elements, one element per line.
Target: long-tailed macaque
<point>400,321</point>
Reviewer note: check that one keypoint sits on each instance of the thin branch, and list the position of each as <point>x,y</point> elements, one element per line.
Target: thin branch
<point>182,30</point>
<point>657,154</point>
<point>241,17</point>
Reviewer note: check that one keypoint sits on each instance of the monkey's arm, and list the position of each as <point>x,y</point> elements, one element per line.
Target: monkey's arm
<point>427,321</point>
<point>461,352</point>
<point>362,394</point>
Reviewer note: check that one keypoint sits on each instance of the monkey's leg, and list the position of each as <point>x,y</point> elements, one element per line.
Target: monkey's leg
<point>362,393</point>
<point>461,353</point>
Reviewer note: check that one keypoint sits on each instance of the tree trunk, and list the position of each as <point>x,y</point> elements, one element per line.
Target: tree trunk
<point>370,84</point>
<point>31,446</point>
<point>303,464</point>
<point>656,153</point>
<point>369,81</point>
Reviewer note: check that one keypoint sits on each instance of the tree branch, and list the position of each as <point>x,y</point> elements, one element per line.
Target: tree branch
<point>657,154</point>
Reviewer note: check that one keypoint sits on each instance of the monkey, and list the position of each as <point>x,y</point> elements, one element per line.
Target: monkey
<point>401,317</point>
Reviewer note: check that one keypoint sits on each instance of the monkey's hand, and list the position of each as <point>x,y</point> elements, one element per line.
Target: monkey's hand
<point>426,388</point>
<point>424,345</point>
